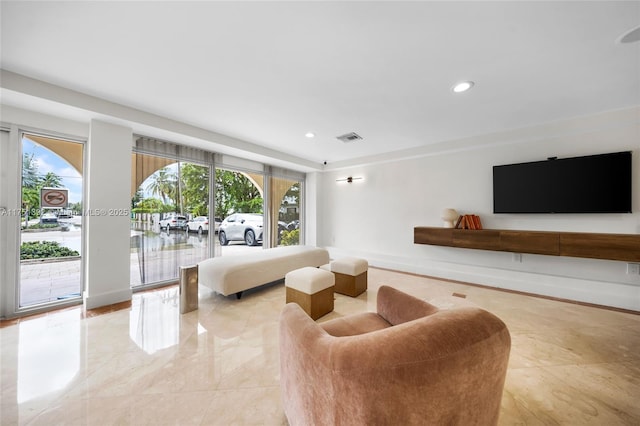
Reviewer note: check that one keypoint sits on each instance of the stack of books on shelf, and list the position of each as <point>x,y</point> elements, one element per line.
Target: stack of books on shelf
<point>469,221</point>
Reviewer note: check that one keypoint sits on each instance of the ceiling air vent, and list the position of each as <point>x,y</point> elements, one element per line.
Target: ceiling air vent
<point>349,137</point>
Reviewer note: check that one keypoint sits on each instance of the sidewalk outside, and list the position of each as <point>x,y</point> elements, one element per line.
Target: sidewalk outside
<point>47,281</point>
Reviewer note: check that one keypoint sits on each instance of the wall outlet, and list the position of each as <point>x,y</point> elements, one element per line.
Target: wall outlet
<point>633,268</point>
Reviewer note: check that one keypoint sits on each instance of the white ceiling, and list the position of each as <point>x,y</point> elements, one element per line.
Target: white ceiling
<point>268,72</point>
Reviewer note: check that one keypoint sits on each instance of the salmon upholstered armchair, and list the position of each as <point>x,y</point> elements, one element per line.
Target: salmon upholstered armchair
<point>409,363</point>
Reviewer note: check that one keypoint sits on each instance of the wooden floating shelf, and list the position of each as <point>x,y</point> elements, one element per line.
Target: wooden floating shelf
<point>622,247</point>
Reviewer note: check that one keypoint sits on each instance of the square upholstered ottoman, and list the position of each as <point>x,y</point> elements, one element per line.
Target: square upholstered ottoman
<point>312,289</point>
<point>350,275</point>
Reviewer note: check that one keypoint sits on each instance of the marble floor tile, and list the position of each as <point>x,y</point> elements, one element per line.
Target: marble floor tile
<point>146,364</point>
<point>571,395</point>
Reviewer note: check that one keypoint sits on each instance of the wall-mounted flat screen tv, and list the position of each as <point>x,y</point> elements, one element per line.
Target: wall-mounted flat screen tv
<point>590,184</point>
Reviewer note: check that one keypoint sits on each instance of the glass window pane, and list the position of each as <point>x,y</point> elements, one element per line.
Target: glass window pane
<point>170,221</point>
<point>239,203</point>
<point>50,237</point>
<point>285,198</point>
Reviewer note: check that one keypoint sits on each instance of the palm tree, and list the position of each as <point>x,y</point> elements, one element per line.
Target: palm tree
<point>163,184</point>
<point>51,180</point>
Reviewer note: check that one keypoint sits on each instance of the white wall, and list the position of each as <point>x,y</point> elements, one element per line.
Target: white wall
<point>311,205</point>
<point>8,191</point>
<point>108,201</point>
<point>374,217</point>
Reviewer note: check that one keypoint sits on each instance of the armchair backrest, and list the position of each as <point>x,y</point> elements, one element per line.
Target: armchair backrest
<point>447,367</point>
<point>398,307</point>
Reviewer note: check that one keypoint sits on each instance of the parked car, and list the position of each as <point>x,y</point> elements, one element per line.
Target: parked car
<point>65,217</point>
<point>282,226</point>
<point>245,227</point>
<point>218,221</point>
<point>198,224</point>
<point>175,221</point>
<point>49,218</point>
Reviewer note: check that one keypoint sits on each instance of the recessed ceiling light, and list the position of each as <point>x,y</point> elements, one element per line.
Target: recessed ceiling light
<point>463,86</point>
<point>310,135</point>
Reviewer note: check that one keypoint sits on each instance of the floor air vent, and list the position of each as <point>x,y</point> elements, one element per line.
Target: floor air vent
<point>349,137</point>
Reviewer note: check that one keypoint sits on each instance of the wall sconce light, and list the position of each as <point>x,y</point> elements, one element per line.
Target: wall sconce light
<point>350,179</point>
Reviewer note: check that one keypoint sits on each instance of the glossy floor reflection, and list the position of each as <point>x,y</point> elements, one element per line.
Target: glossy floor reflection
<point>149,365</point>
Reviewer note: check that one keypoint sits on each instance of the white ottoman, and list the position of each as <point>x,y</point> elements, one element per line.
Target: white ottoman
<point>350,275</point>
<point>312,289</point>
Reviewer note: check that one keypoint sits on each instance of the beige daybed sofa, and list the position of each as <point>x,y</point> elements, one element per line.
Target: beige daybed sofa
<point>234,274</point>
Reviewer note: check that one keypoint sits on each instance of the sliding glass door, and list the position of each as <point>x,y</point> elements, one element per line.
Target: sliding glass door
<point>170,225</point>
<point>51,220</point>
<point>188,205</point>
<point>285,202</point>
<point>239,203</point>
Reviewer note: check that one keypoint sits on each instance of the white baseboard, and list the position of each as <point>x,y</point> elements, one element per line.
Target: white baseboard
<point>612,294</point>
<point>104,299</point>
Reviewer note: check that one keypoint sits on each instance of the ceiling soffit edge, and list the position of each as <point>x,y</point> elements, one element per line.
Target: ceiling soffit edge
<point>140,119</point>
<point>613,119</point>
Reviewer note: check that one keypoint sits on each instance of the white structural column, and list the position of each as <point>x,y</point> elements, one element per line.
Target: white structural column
<point>310,211</point>
<point>107,222</point>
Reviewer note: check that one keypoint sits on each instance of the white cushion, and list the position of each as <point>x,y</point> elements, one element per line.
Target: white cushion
<point>326,267</point>
<point>350,266</point>
<point>309,280</point>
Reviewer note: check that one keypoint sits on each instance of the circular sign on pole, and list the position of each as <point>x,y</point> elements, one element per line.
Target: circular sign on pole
<point>54,197</point>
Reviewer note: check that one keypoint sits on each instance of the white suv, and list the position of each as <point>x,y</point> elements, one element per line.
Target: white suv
<point>174,221</point>
<point>245,227</point>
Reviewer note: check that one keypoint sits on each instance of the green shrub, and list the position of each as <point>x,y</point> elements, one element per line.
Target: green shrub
<point>44,249</point>
<point>43,226</point>
<point>290,238</point>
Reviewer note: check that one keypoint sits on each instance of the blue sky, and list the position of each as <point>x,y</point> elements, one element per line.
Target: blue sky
<point>48,161</point>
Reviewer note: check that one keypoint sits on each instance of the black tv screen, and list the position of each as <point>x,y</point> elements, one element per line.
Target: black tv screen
<point>589,184</point>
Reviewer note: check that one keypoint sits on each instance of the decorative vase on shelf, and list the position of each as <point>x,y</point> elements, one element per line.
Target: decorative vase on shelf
<point>448,216</point>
